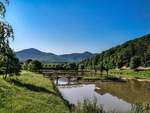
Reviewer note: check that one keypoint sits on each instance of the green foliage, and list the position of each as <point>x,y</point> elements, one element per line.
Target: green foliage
<point>135,62</point>
<point>32,65</point>
<point>9,64</point>
<point>73,66</point>
<point>81,67</point>
<point>139,108</point>
<point>92,107</point>
<point>35,66</point>
<point>89,107</point>
<point>63,66</point>
<point>122,55</point>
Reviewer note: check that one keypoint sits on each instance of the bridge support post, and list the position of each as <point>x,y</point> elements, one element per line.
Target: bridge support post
<point>57,78</point>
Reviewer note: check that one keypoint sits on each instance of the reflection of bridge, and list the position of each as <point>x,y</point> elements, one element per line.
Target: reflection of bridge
<point>69,78</point>
<point>57,74</point>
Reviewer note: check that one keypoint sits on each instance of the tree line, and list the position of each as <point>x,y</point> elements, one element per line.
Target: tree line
<point>35,66</point>
<point>131,54</point>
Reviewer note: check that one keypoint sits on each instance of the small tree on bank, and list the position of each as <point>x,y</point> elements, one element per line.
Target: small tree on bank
<point>35,66</point>
<point>32,65</point>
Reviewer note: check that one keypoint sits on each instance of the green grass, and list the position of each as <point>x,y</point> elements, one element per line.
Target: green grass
<point>91,78</point>
<point>30,93</point>
<point>118,74</point>
<point>131,73</point>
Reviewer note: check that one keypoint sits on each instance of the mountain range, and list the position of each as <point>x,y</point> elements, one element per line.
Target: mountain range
<point>44,57</point>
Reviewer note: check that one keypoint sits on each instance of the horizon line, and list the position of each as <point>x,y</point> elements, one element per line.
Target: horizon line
<point>55,53</point>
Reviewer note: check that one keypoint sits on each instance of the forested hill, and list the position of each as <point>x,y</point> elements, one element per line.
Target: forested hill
<point>134,52</point>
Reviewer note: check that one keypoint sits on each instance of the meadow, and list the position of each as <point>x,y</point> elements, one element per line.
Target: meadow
<point>30,93</point>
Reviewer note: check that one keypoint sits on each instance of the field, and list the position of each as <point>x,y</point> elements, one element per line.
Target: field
<point>30,93</point>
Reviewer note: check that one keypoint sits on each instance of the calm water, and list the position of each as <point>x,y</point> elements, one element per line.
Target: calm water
<point>111,95</point>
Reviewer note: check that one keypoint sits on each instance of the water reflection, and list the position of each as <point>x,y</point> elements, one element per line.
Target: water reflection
<point>63,81</point>
<point>132,91</point>
<point>82,92</point>
<point>112,95</point>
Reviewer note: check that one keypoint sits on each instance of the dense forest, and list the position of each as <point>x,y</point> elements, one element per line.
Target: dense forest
<point>132,54</point>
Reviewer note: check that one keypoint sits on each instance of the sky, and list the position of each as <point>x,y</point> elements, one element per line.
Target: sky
<point>74,26</point>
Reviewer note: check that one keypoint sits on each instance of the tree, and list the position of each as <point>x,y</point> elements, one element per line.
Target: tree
<point>34,66</point>
<point>135,62</point>
<point>101,68</point>
<point>6,31</point>
<point>26,63</point>
<point>72,66</point>
<point>146,58</point>
<point>81,66</point>
<point>108,65</point>
<point>9,62</point>
<point>120,56</point>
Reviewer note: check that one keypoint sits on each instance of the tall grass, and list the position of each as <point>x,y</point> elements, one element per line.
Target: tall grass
<point>92,107</point>
<point>89,107</point>
<point>139,108</point>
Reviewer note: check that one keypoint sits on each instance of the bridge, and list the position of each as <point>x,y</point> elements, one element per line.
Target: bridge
<point>57,74</point>
<point>69,78</point>
<point>50,71</point>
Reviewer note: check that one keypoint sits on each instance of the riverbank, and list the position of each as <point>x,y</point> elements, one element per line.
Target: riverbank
<point>119,75</point>
<point>30,93</point>
<point>127,74</point>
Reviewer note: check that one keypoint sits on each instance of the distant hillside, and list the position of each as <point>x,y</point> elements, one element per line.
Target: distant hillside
<point>121,55</point>
<point>76,56</point>
<point>50,57</point>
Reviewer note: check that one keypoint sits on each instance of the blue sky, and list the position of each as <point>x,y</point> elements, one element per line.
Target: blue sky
<point>68,26</point>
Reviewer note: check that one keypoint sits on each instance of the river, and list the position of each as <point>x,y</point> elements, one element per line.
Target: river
<point>113,96</point>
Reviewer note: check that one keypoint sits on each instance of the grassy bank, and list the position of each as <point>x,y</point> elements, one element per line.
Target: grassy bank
<point>117,75</point>
<point>131,73</point>
<point>30,93</point>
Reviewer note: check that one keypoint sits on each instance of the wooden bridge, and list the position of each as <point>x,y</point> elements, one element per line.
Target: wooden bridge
<point>49,71</point>
<point>57,74</point>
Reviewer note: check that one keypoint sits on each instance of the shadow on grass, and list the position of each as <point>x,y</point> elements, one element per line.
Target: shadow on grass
<point>31,87</point>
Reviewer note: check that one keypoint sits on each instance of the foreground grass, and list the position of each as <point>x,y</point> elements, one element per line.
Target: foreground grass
<point>92,107</point>
<point>30,93</point>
